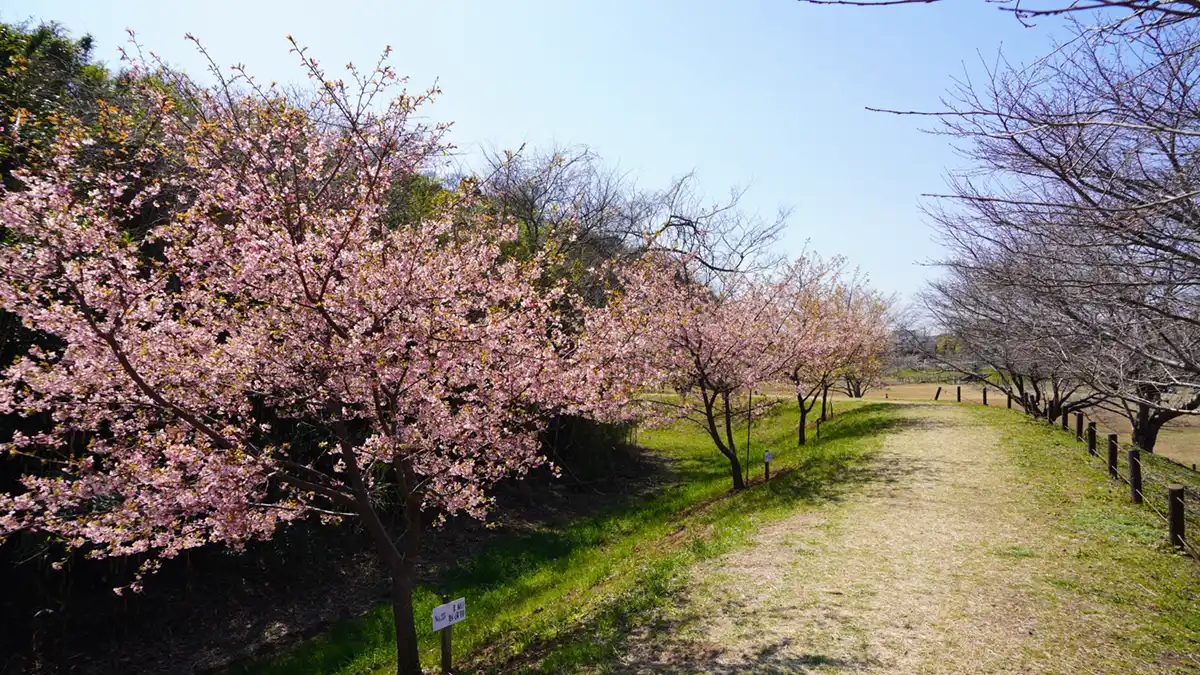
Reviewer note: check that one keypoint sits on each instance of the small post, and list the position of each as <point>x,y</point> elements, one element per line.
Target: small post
<point>958,393</point>
<point>1091,438</point>
<point>749,421</point>
<point>1062,414</point>
<point>1010,400</point>
<point>767,466</point>
<point>985,395</point>
<point>1175,514</point>
<point>937,393</point>
<point>1135,475</point>
<point>446,647</point>
<point>1079,427</point>
<point>1112,456</point>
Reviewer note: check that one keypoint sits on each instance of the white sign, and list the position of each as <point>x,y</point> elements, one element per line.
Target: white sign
<point>449,613</point>
<point>768,456</point>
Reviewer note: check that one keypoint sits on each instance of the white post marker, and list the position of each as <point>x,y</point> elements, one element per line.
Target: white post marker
<point>449,613</point>
<point>445,616</point>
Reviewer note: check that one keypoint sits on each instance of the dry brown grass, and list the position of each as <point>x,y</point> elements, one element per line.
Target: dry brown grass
<point>1179,440</point>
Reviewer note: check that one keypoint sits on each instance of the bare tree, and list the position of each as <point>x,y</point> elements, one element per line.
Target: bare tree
<point>569,195</point>
<point>1121,13</point>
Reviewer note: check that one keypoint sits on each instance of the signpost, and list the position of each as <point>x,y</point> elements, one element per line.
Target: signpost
<point>767,457</point>
<point>445,616</point>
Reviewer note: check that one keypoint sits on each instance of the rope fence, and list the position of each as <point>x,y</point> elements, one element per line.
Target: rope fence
<point>1166,487</point>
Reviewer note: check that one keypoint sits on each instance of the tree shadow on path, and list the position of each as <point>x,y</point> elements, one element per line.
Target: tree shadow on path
<point>828,471</point>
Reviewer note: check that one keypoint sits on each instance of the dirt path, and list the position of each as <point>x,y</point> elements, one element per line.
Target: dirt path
<point>935,568</point>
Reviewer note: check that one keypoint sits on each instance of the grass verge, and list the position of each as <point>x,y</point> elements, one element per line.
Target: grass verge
<point>1113,566</point>
<point>563,599</point>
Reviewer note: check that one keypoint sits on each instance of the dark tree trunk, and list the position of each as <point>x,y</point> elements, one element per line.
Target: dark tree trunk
<point>824,396</point>
<point>400,559</point>
<point>1146,428</point>
<point>726,446</point>
<point>736,467</point>
<point>408,658</point>
<point>400,566</point>
<point>803,421</point>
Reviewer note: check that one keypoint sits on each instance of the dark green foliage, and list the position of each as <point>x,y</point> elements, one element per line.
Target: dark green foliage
<point>48,75</point>
<point>414,199</point>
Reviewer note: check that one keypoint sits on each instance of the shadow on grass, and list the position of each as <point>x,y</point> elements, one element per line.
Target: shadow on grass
<point>817,474</point>
<point>826,470</point>
<point>769,659</point>
<point>561,573</point>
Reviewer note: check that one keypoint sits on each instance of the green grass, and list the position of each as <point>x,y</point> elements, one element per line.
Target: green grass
<point>563,599</point>
<point>1117,560</point>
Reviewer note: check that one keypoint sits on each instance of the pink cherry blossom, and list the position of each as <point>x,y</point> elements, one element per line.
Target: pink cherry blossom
<point>270,292</point>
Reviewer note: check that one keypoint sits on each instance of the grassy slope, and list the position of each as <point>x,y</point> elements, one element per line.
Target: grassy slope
<point>559,599</point>
<point>1117,563</point>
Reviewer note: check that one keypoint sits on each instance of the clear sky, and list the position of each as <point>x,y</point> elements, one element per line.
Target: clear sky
<point>768,94</point>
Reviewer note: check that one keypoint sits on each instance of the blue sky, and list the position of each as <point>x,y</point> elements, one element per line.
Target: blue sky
<point>767,94</point>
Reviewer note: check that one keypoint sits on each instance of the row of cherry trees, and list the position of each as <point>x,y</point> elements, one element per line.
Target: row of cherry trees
<point>809,324</point>
<point>1073,235</point>
<point>217,267</point>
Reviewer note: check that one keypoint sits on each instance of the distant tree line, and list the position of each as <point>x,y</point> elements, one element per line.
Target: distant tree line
<point>1074,233</point>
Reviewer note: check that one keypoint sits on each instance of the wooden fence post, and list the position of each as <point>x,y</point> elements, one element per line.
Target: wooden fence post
<point>1079,427</point>
<point>1062,414</point>
<point>1135,475</point>
<point>937,393</point>
<point>1091,438</point>
<point>958,393</point>
<point>446,650</point>
<point>1175,514</point>
<point>1010,400</point>
<point>985,395</point>
<point>1112,456</point>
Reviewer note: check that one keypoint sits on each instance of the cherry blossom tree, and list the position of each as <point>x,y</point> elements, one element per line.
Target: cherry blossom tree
<point>874,335</point>
<point>718,347</point>
<point>830,324</point>
<point>271,294</point>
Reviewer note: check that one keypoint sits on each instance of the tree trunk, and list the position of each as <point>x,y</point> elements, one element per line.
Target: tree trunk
<point>726,447</point>
<point>824,396</point>
<point>1145,429</point>
<point>400,560</point>
<point>736,467</point>
<point>738,482</point>
<point>803,422</point>
<point>408,657</point>
<point>400,566</point>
